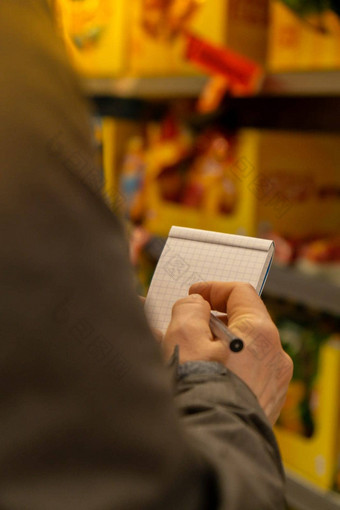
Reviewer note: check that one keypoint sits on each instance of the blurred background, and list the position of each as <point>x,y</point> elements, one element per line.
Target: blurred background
<point>225,115</point>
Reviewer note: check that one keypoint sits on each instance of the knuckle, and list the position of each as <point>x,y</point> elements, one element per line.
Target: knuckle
<point>177,307</point>
<point>192,298</point>
<point>193,304</point>
<point>178,304</point>
<point>270,331</point>
<point>265,344</point>
<point>284,368</point>
<point>266,328</point>
<point>247,287</point>
<point>289,366</point>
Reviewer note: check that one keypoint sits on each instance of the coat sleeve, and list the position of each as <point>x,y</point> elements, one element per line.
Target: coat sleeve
<point>232,433</point>
<point>88,419</point>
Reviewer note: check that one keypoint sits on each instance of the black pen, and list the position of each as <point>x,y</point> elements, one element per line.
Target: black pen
<point>223,333</point>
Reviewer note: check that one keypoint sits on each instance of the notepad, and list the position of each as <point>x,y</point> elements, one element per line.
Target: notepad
<point>192,255</point>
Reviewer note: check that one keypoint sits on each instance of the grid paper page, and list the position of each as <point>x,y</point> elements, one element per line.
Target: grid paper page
<point>192,255</point>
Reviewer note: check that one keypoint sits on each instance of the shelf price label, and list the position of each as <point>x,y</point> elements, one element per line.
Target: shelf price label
<point>242,75</point>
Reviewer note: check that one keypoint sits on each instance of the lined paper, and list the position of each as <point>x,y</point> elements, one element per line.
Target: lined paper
<point>193,255</point>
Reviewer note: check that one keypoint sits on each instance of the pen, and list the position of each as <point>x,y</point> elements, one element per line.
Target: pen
<point>221,331</point>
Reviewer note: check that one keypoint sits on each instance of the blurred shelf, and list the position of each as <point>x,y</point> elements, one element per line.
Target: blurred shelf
<point>160,87</point>
<point>313,291</point>
<point>134,98</point>
<point>306,83</point>
<point>119,107</point>
<point>287,112</point>
<point>298,101</point>
<point>302,495</point>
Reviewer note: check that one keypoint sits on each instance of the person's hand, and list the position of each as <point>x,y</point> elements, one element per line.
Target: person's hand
<point>262,364</point>
<point>189,329</point>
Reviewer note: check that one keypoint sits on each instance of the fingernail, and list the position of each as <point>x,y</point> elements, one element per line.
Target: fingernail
<point>196,296</point>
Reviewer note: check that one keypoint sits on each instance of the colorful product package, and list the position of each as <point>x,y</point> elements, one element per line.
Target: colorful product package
<point>196,182</point>
<point>161,32</point>
<point>95,32</point>
<point>315,457</point>
<point>309,423</point>
<point>150,38</point>
<point>302,44</point>
<point>295,178</point>
<point>287,183</point>
<point>111,137</point>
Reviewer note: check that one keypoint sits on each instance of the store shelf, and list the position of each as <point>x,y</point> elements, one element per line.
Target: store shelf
<point>294,101</point>
<point>312,83</point>
<point>160,87</point>
<point>313,291</point>
<point>302,495</point>
<point>293,113</point>
<point>306,83</point>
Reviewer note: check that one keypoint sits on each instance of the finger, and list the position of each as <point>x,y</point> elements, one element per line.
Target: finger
<point>247,314</point>
<point>191,315</point>
<point>158,334</point>
<point>235,298</point>
<point>189,328</point>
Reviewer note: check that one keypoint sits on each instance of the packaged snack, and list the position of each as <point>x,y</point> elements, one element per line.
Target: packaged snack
<point>196,183</point>
<point>167,35</point>
<point>321,257</point>
<point>309,428</point>
<point>132,178</point>
<point>310,41</point>
<point>296,180</point>
<point>95,32</point>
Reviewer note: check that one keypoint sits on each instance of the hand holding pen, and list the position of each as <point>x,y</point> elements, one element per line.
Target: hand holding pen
<point>254,351</point>
<point>262,363</point>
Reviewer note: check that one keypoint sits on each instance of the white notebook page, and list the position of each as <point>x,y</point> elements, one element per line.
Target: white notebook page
<point>192,255</point>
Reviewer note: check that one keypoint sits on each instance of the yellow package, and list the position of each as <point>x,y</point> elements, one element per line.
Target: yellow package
<point>315,458</point>
<point>199,204</point>
<point>158,28</point>
<point>109,38</point>
<point>295,44</point>
<point>295,179</point>
<point>96,35</point>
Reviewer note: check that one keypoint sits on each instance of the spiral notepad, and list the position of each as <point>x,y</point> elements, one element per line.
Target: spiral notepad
<point>192,255</point>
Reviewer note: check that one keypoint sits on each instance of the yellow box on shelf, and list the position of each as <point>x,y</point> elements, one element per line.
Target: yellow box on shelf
<point>95,32</point>
<point>296,44</point>
<point>286,183</point>
<point>111,137</point>
<point>296,181</point>
<point>162,214</point>
<point>158,42</point>
<point>315,458</point>
<point>109,38</point>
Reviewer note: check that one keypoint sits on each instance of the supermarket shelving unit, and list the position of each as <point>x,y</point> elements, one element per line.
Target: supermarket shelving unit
<point>302,101</point>
<point>312,83</point>
<point>308,101</point>
<point>312,291</point>
<point>302,495</point>
<point>146,88</point>
<point>320,294</point>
